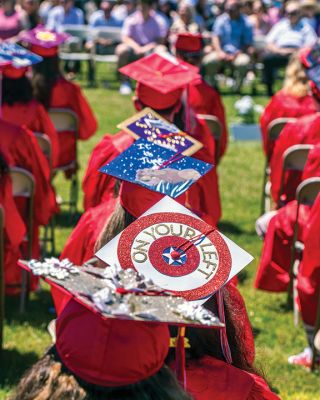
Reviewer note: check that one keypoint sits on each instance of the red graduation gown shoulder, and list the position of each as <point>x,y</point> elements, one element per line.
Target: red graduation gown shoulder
<point>309,271</point>
<point>98,187</point>
<point>204,99</point>
<point>66,94</point>
<point>210,378</point>
<point>14,231</point>
<point>80,244</point>
<point>284,105</point>
<point>34,116</point>
<point>21,149</point>
<point>304,131</point>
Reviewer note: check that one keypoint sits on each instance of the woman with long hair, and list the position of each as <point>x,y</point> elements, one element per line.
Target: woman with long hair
<point>20,107</point>
<point>208,375</point>
<point>294,100</point>
<point>98,358</point>
<point>54,91</point>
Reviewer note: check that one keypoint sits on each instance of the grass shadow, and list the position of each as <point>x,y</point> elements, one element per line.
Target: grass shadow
<point>229,227</point>
<point>14,364</point>
<point>65,220</point>
<point>37,312</point>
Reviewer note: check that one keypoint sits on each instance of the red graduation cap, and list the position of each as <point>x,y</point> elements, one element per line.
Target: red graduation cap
<point>189,43</point>
<point>109,352</point>
<point>161,79</point>
<point>11,72</point>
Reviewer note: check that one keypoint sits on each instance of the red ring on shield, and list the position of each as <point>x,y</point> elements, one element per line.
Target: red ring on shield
<point>128,236</point>
<point>156,259</point>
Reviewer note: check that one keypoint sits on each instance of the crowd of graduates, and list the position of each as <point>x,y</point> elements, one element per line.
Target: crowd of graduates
<point>96,358</point>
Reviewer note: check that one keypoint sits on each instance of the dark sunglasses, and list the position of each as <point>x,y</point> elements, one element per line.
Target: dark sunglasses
<point>292,13</point>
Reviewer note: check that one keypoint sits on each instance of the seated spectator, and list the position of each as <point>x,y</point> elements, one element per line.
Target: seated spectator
<point>231,44</point>
<point>286,37</point>
<point>294,100</point>
<point>205,12</point>
<point>124,8</point>
<point>45,8</point>
<point>64,14</point>
<point>310,14</point>
<point>142,32</point>
<point>12,21</point>
<point>260,19</point>
<point>167,9</point>
<point>103,16</point>
<point>31,8</point>
<point>186,20</point>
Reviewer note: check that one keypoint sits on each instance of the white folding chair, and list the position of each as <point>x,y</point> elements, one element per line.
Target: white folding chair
<point>67,120</point>
<point>216,129</point>
<point>49,230</point>
<point>72,49</point>
<point>112,33</point>
<point>23,185</point>
<point>274,130</point>
<point>2,285</point>
<point>293,159</point>
<point>306,194</point>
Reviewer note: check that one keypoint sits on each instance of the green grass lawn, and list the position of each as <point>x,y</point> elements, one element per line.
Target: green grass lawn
<point>240,176</point>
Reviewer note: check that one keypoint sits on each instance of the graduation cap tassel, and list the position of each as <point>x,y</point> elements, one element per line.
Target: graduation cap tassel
<point>181,357</point>
<point>223,332</point>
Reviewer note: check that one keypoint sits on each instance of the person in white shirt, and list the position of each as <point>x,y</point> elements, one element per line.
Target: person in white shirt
<point>287,36</point>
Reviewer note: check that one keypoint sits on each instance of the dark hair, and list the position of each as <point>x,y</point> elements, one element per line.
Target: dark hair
<point>45,76</point>
<point>16,90</point>
<point>49,379</point>
<point>203,341</point>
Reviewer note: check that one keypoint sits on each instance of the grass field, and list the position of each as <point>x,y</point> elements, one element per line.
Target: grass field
<point>240,181</point>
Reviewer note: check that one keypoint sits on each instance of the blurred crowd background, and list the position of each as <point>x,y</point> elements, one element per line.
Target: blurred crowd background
<point>243,40</point>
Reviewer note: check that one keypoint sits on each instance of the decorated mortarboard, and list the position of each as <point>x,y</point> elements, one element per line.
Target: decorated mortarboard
<point>147,124</point>
<point>114,329</point>
<point>156,168</point>
<point>161,79</point>
<point>43,41</point>
<point>18,57</point>
<point>177,250</point>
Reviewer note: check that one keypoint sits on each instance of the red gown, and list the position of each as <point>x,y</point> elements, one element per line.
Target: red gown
<point>20,149</point>
<point>66,94</point>
<point>34,116</point>
<point>272,274</point>
<point>14,231</point>
<point>284,105</point>
<point>80,244</point>
<point>309,271</point>
<point>98,187</point>
<point>209,378</point>
<point>204,99</point>
<point>305,131</point>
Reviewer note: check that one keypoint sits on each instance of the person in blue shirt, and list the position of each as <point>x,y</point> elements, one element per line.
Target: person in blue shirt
<point>64,14</point>
<point>232,42</point>
<point>284,39</point>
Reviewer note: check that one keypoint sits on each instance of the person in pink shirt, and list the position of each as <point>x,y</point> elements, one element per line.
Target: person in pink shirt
<point>142,32</point>
<point>11,20</point>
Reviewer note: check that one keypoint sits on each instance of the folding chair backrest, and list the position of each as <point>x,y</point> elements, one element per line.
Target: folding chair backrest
<point>108,32</point>
<point>79,31</point>
<point>1,275</point>
<point>216,129</point>
<point>275,127</point>
<point>295,157</point>
<point>308,191</point>
<point>64,119</point>
<point>45,145</point>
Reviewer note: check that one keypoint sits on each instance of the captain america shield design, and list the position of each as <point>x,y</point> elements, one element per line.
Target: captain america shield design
<point>167,246</point>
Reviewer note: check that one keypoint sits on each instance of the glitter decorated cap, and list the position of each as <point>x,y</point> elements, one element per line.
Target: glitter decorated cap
<point>177,250</point>
<point>157,168</point>
<point>114,329</point>
<point>19,60</point>
<point>43,41</point>
<point>161,79</point>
